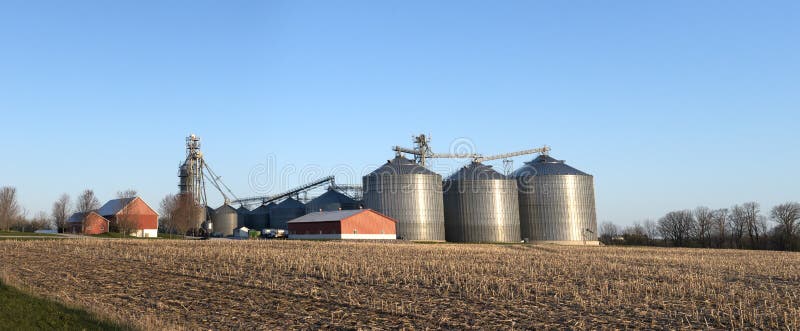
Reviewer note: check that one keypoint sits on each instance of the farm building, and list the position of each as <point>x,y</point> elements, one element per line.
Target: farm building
<point>87,223</point>
<point>242,232</point>
<point>132,213</point>
<point>343,224</point>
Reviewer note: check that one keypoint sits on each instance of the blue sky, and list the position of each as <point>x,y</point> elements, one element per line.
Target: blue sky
<point>670,104</point>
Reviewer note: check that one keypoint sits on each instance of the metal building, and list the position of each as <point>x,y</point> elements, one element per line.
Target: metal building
<point>343,224</point>
<point>209,214</point>
<point>481,205</point>
<point>242,217</point>
<point>284,212</point>
<point>259,217</point>
<point>224,221</point>
<point>410,194</point>
<point>331,200</point>
<point>556,202</point>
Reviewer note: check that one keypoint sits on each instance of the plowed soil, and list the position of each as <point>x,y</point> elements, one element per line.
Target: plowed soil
<point>365,285</point>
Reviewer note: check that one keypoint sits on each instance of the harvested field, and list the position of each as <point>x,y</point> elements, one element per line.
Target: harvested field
<point>279,284</point>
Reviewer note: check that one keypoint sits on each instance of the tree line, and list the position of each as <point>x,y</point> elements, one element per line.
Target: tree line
<point>14,217</point>
<point>742,226</point>
<point>178,213</point>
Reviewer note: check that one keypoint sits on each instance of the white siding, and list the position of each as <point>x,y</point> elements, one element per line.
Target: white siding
<point>146,233</point>
<point>344,236</point>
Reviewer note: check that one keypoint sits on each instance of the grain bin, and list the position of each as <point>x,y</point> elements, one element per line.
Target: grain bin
<point>556,202</point>
<point>481,205</point>
<point>242,217</point>
<point>224,221</point>
<point>259,217</point>
<point>331,200</point>
<point>209,214</point>
<point>284,212</point>
<point>410,194</point>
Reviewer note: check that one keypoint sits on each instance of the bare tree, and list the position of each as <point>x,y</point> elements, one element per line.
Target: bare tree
<point>168,207</point>
<point>787,215</point>
<point>40,222</point>
<point>650,229</point>
<point>124,221</point>
<point>87,202</point>
<point>10,210</point>
<point>636,229</point>
<point>704,218</point>
<point>677,226</point>
<point>186,213</point>
<point>127,194</point>
<point>738,225</point>
<point>608,231</point>
<point>753,224</point>
<point>720,228</point>
<point>60,212</point>
<point>763,231</point>
<point>635,234</point>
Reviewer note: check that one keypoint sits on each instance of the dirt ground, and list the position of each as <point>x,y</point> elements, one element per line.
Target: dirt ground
<point>366,285</point>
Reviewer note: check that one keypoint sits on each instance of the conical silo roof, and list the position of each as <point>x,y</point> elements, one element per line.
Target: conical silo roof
<point>476,171</point>
<point>290,203</point>
<point>263,209</point>
<point>545,165</point>
<point>225,208</point>
<point>333,196</point>
<point>401,166</point>
<point>330,201</point>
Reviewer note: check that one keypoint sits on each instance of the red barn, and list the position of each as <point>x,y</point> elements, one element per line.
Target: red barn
<point>343,224</point>
<point>87,223</point>
<point>135,213</point>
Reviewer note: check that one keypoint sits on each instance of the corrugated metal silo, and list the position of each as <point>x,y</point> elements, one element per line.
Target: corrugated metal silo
<point>243,217</point>
<point>209,214</point>
<point>556,202</point>
<point>409,193</point>
<point>259,217</point>
<point>331,201</point>
<point>284,212</point>
<point>224,220</point>
<point>481,205</point>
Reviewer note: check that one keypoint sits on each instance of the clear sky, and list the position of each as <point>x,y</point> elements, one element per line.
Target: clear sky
<point>669,104</point>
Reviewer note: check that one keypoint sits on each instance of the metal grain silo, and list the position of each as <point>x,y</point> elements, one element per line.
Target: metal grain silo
<point>209,213</point>
<point>284,212</point>
<point>242,217</point>
<point>556,202</point>
<point>224,221</point>
<point>409,193</point>
<point>481,205</point>
<point>331,201</point>
<point>259,217</point>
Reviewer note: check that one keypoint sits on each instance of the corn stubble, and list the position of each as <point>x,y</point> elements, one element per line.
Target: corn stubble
<point>278,284</point>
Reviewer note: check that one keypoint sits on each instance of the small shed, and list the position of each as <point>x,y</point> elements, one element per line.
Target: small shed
<point>242,232</point>
<point>343,224</point>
